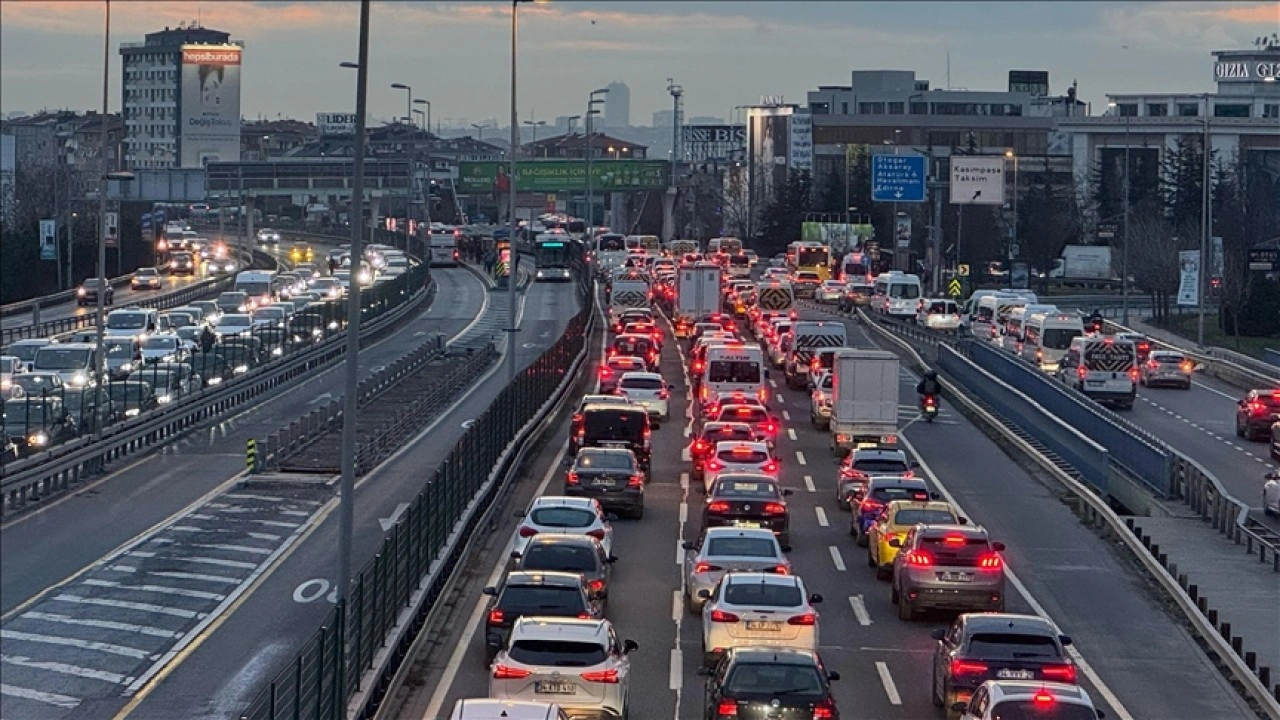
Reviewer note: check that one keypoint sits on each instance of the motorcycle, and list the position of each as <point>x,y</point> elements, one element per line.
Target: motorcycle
<point>929,405</point>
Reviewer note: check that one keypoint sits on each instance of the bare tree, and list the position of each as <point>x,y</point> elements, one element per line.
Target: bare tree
<point>1154,242</point>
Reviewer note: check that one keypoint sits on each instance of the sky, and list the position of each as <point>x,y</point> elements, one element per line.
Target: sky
<point>456,54</point>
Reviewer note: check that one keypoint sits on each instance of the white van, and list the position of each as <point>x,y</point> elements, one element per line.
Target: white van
<point>1048,335</point>
<point>902,295</point>
<point>75,363</point>
<point>1103,367</point>
<point>489,709</point>
<point>733,367</point>
<point>1011,332</point>
<point>132,322</point>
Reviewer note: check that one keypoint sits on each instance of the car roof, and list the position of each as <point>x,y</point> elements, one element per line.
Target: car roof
<point>773,656</point>
<point>878,454</point>
<point>562,539</point>
<point>545,501</point>
<point>542,577</point>
<point>603,400</point>
<point>561,629</point>
<point>1002,622</point>
<point>1007,689</point>
<point>629,358</point>
<point>757,533</point>
<point>613,407</point>
<point>884,481</point>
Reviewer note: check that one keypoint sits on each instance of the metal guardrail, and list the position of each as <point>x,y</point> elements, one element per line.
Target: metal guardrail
<point>397,589</point>
<point>1095,513</point>
<point>1226,365</point>
<point>28,306</point>
<point>63,467</point>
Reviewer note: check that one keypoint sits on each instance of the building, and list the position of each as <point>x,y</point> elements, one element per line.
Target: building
<point>663,119</point>
<point>64,138</point>
<point>265,139</point>
<point>8,170</point>
<point>181,98</point>
<point>617,106</point>
<point>574,147</point>
<point>84,146</point>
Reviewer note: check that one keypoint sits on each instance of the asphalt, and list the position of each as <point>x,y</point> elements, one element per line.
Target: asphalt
<point>1136,660</point>
<point>118,519</point>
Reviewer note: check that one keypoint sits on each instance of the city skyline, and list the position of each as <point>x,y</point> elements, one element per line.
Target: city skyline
<point>50,52</point>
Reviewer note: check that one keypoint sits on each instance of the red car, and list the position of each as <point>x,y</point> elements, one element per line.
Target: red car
<point>1256,412</point>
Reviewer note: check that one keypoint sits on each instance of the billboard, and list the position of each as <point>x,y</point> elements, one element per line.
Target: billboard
<point>209,122</point>
<point>769,147</point>
<point>840,237</point>
<point>334,123</point>
<point>702,143</point>
<point>556,176</point>
<point>1189,278</point>
<point>801,154</point>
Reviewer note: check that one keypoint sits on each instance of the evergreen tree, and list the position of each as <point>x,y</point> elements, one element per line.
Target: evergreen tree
<point>782,217</point>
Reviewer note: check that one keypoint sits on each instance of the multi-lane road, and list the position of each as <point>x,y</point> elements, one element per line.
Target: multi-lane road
<point>1130,649</point>
<point>169,564</point>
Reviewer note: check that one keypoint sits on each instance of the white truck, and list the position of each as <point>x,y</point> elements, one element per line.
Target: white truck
<point>1083,262</point>
<point>865,399</point>
<point>697,295</point>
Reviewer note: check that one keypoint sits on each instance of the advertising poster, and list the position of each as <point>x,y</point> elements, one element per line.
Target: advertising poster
<point>1189,278</point>
<point>48,231</point>
<point>802,142</point>
<point>209,127</point>
<point>902,232</point>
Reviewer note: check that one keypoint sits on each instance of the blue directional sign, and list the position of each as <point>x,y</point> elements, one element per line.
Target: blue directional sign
<point>897,178</point>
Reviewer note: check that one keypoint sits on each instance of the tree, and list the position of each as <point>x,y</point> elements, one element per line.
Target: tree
<point>782,216</point>
<point>1244,215</point>
<point>831,193</point>
<point>1156,241</point>
<point>1182,182</point>
<point>41,191</point>
<point>1048,220</point>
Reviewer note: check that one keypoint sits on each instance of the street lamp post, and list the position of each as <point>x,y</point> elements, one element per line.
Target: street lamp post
<point>408,100</point>
<point>480,128</point>
<point>430,167</point>
<point>99,369</point>
<point>1124,247</point>
<point>592,101</point>
<point>535,124</point>
<point>513,257</point>
<point>1206,227</point>
<point>572,125</point>
<point>1013,245</point>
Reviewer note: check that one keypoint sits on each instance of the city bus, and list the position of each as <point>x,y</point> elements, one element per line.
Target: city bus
<point>610,252</point>
<point>812,257</point>
<point>443,248</point>
<point>551,254</point>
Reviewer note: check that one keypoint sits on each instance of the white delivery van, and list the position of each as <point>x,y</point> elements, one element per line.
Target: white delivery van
<point>132,322</point>
<point>1102,367</point>
<point>865,399</point>
<point>902,295</point>
<point>733,367</point>
<point>1012,331</point>
<point>75,363</point>
<point>1048,335</point>
<point>808,336</point>
<point>257,286</point>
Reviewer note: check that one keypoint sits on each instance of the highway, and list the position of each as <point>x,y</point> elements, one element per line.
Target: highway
<point>116,557</point>
<point>1130,651</point>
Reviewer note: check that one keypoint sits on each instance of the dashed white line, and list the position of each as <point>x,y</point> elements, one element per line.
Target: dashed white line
<point>680,552</point>
<point>675,678</point>
<point>103,624</point>
<point>684,513</point>
<point>860,610</point>
<point>781,400</point>
<point>773,383</point>
<point>76,643</point>
<point>157,589</point>
<point>62,701</point>
<point>836,557</point>
<point>791,433</point>
<point>822,516</point>
<point>786,415</point>
<point>800,458</point>
<point>808,484</point>
<point>677,606</point>
<point>63,668</point>
<point>126,605</point>
<point>890,689</point>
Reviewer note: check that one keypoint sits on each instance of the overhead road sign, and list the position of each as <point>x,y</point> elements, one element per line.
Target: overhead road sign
<point>897,178</point>
<point>977,180</point>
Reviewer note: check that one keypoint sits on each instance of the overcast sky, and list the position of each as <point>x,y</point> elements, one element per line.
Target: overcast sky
<point>723,53</point>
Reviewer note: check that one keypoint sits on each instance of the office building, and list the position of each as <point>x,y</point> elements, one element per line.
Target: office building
<point>617,106</point>
<point>181,98</point>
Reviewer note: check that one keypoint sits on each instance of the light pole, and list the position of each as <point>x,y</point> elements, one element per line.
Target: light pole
<point>99,369</point>
<point>535,124</point>
<point>1206,227</point>
<point>421,115</point>
<point>430,167</point>
<point>408,100</point>
<point>513,261</point>
<point>592,101</point>
<point>346,505</point>
<point>1013,246</point>
<point>572,125</point>
<point>480,128</point>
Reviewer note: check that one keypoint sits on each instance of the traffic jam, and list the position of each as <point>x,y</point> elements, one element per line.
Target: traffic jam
<point>768,440</point>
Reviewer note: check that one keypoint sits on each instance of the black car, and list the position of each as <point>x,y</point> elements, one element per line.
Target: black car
<point>610,475</point>
<point>132,397</point>
<point>89,414</point>
<point>996,646</point>
<point>87,293</point>
<point>751,683</point>
<point>571,553</point>
<point>625,426</point>
<point>553,594</point>
<point>212,367</point>
<point>34,424</point>
<point>753,501</point>
<point>241,353</point>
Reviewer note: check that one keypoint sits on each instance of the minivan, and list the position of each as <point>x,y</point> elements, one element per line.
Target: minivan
<point>624,426</point>
<point>75,363</point>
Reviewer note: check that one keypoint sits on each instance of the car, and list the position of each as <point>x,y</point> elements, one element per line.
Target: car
<point>820,398</point>
<point>164,347</point>
<point>25,351</point>
<point>636,345</point>
<point>704,443</point>
<point>1275,440</point>
<point>90,411</point>
<point>182,263</point>
<point>880,491</point>
<point>739,456</point>
<point>132,397</point>
<point>34,424</point>
<point>805,283</point>
<point>563,552</point>
<point>999,699</point>
<point>614,367</point>
<point>719,550</point>
<point>625,426</point>
<point>39,383</point>
<point>87,293</point>
<point>563,514</point>
<point>268,236</point>
<point>856,295</point>
<point>643,327</point>
<point>749,500</point>
<point>580,663</point>
<point>269,315</point>
<point>1166,367</point>
<point>947,567</point>
<point>1141,344</point>
<point>829,292</point>
<point>748,411</point>
<point>233,302</point>
<point>762,682</point>
<point>649,391</point>
<point>575,424</point>
<point>610,475</point>
<point>10,366</point>
<point>1256,412</point>
<point>231,324</point>
<point>861,464</point>
<point>544,594</point>
<point>996,646</point>
<point>165,385</point>
<point>631,315</point>
<point>895,521</point>
<point>752,609</point>
<point>938,314</point>
<point>490,709</point>
<point>147,278</point>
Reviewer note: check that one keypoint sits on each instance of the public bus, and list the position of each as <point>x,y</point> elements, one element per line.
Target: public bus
<point>443,248</point>
<point>724,245</point>
<point>610,252</point>
<point>812,257</point>
<point>551,256</point>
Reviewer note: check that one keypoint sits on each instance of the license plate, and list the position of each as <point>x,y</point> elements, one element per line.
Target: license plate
<point>1096,383</point>
<point>764,625</point>
<point>955,577</point>
<point>554,688</point>
<point>606,482</point>
<point>1015,674</point>
<point>746,524</point>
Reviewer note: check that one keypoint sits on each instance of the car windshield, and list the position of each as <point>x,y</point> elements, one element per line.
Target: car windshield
<point>763,594</point>
<point>1058,338</point>
<point>741,456</point>
<point>19,412</point>
<point>880,467</point>
<point>565,517</point>
<point>1013,646</point>
<point>25,353</point>
<point>160,343</point>
<point>603,461</point>
<point>733,371</point>
<point>728,432</point>
<point>557,653</point>
<point>235,321</point>
<point>146,273</point>
<point>746,489</point>
<point>914,516</point>
<point>126,321</point>
<point>1032,710</point>
<point>1167,358</point>
<point>53,358</point>
<point>561,557</point>
<point>642,383</point>
<point>536,598</point>
<point>127,392</point>
<point>777,679</point>
<point>741,547</point>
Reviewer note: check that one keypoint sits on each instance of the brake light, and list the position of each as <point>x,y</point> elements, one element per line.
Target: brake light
<point>527,531</point>
<point>805,619</point>
<point>1082,371</point>
<point>1060,673</point>
<point>705,567</point>
<point>504,672</point>
<point>771,427</point>
<point>598,534</point>
<point>771,466</point>
<point>1042,698</point>
<point>571,478</point>
<point>929,401</point>
<point>918,558</point>
<point>953,540</point>
<point>496,617</point>
<point>663,394</point>
<point>1133,374</point>
<point>605,373</point>
<point>577,418</point>
<point>635,481</point>
<point>967,667</point>
<point>698,365</point>
<point>825,710</point>
<point>609,676</point>
<point>727,706</point>
<point>718,506</point>
<point>781,570</point>
<point>715,466</point>
<point>870,505</point>
<point>774,508</point>
<point>596,585</point>
<point>721,616</point>
<point>990,561</point>
<point>1187,367</point>
<point>700,446</point>
<point>763,394</point>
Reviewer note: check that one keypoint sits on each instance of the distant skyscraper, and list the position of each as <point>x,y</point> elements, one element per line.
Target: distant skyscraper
<point>663,118</point>
<point>617,107</point>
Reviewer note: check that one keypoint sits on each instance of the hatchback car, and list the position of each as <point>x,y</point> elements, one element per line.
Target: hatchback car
<point>947,567</point>
<point>704,443</point>
<point>758,682</point>
<point>612,476</point>
<point>614,367</point>
<point>1166,367</point>
<point>750,501</point>
<point>751,609</point>
<point>541,594</point>
<point>1256,412</point>
<point>561,514</point>
<point>996,646</point>
<point>860,465</point>
<point>938,314</point>
<point>805,283</point>
<point>580,664</point>
<point>895,521</point>
<point>635,345</point>
<point>649,391</point>
<point>562,552</point>
<point>1001,699</point>
<point>723,549</point>
<point>736,456</point>
<point>752,413</point>
<point>881,491</point>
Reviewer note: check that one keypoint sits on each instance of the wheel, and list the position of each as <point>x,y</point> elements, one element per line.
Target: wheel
<point>934,696</point>
<point>844,506</point>
<point>1239,429</point>
<point>862,540</point>
<point>905,612</point>
<point>638,513</point>
<point>884,572</point>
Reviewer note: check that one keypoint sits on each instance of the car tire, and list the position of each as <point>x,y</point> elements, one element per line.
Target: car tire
<point>861,540</point>
<point>905,612</point>
<point>638,513</point>
<point>1239,429</point>
<point>884,572</point>
<point>893,595</point>
<point>934,696</point>
<point>871,560</point>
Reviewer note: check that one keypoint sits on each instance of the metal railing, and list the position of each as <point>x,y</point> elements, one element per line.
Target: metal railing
<point>1231,367</point>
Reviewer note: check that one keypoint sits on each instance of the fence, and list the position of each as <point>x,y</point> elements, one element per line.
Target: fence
<point>419,553</point>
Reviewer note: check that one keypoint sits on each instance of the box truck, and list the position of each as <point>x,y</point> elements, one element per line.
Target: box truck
<point>864,410</point>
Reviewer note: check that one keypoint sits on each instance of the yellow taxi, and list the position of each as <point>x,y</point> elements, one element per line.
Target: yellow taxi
<point>895,520</point>
<point>301,253</point>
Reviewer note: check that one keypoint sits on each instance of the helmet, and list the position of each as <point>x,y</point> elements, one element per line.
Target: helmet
<point>931,375</point>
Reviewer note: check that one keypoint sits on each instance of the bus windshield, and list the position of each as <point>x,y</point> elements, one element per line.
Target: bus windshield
<point>551,255</point>
<point>808,257</point>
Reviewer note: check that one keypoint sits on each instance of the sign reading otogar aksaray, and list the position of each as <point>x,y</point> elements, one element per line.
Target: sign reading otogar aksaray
<point>550,176</point>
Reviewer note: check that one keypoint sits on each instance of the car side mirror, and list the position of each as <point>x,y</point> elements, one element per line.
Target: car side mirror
<point>1064,639</point>
<point>704,594</point>
<point>702,671</point>
<point>895,542</point>
<point>612,559</point>
<point>935,496</point>
<point>959,707</point>
<point>787,492</point>
<point>833,675</point>
<point>629,646</point>
<point>815,598</point>
<point>688,545</point>
<point>515,554</point>
<point>962,520</point>
<point>939,634</point>
<point>491,591</point>
<point>997,546</point>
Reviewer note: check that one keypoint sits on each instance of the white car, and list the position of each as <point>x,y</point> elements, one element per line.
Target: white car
<point>648,390</point>
<point>995,699</point>
<point>939,314</point>
<point>233,324</point>
<point>736,456</point>
<point>563,514</point>
<point>268,236</point>
<point>724,549</point>
<point>1271,492</point>
<point>581,665</point>
<point>820,399</point>
<point>490,709</point>
<point>164,348</point>
<point>752,609</point>
<point>269,316</point>
<point>830,292</point>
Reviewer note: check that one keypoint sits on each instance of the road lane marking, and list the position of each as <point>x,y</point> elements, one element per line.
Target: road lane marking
<point>822,516</point>
<point>63,668</point>
<point>781,400</point>
<point>62,701</point>
<point>103,624</point>
<point>808,484</point>
<point>886,680</point>
<point>1215,391</point>
<point>675,678</point>
<point>215,561</point>
<point>127,605</point>
<point>773,383</point>
<point>108,648</point>
<point>677,606</point>
<point>791,433</point>
<point>860,610</point>
<point>684,513</point>
<point>836,557</point>
<point>800,458</point>
<point>264,498</point>
<point>786,415</point>
<point>680,551</point>
<point>158,589</point>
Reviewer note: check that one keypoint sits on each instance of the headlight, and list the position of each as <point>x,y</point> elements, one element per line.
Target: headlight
<point>126,368</point>
<point>5,384</point>
<point>539,273</point>
<point>163,399</point>
<point>81,292</point>
<point>79,379</point>
<point>241,308</point>
<point>38,439</point>
<point>333,325</point>
<point>215,381</point>
<point>317,332</point>
<point>132,412</point>
<point>277,351</point>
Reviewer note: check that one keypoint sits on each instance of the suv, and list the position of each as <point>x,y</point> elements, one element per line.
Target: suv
<point>576,423</point>
<point>1256,412</point>
<point>1103,368</point>
<point>541,593</point>
<point>996,646</point>
<point>579,662</point>
<point>996,699</point>
<point>861,465</point>
<point>952,567</point>
<point>87,293</point>
<point>758,682</point>
<point>147,278</point>
<point>625,426</point>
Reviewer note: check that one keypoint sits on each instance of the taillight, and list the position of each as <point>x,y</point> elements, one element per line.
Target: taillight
<point>504,672</point>
<point>1133,374</point>
<point>596,585</point>
<point>718,506</point>
<point>705,567</point>
<point>605,373</point>
<point>824,710</point>
<point>870,505</point>
<point>763,394</point>
<point>1187,367</point>
<point>635,481</point>
<point>715,466</point>
<point>1060,673</point>
<point>727,707</point>
<point>721,616</point>
<point>609,676</point>
<point>571,478</point>
<point>770,428</point>
<point>967,667</point>
<point>774,508</point>
<point>527,531</point>
<point>698,365</point>
<point>805,619</point>
<point>496,617</point>
<point>917,558</point>
<point>771,466</point>
<point>781,570</point>
<point>663,394</point>
<point>1082,371</point>
<point>990,561</point>
<point>598,534</point>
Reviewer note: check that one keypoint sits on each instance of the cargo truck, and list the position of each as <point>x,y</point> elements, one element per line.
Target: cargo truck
<point>697,295</point>
<point>864,408</point>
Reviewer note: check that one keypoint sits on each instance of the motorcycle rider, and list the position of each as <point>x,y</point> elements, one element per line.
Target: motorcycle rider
<point>928,386</point>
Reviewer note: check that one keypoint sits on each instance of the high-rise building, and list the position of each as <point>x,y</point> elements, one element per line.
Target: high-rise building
<point>617,106</point>
<point>181,98</point>
<point>663,118</point>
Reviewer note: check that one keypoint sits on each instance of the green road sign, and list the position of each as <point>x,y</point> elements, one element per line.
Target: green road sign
<point>552,176</point>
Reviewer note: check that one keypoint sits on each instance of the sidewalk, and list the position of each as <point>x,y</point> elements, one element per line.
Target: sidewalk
<point>1241,590</point>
